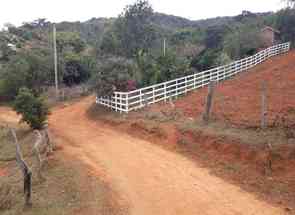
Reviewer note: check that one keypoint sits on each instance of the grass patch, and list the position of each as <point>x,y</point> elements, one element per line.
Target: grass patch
<point>247,136</point>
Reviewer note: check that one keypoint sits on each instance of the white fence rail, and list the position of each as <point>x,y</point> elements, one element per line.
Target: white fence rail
<point>133,100</point>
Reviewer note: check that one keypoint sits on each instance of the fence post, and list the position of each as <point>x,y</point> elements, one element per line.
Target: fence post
<point>140,98</point>
<point>127,102</point>
<point>177,88</point>
<point>185,83</point>
<point>263,105</point>
<point>154,98</point>
<point>195,81</point>
<point>206,115</point>
<point>165,92</point>
<point>116,102</point>
<point>120,105</point>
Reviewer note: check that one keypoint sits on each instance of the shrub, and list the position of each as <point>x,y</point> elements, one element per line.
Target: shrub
<point>206,60</point>
<point>114,75</point>
<point>29,69</point>
<point>33,109</point>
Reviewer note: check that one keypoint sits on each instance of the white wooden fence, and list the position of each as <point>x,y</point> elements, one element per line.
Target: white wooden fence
<point>133,100</point>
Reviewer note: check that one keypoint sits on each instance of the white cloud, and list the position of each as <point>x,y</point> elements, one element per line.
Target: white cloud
<point>16,11</point>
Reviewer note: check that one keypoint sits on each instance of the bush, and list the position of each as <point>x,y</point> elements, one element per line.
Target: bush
<point>206,60</point>
<point>242,42</point>
<point>286,25</point>
<point>155,70</point>
<point>33,109</point>
<point>114,75</point>
<point>25,69</point>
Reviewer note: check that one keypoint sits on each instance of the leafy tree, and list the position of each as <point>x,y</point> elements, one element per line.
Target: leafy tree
<point>145,69</point>
<point>73,66</point>
<point>170,67</point>
<point>69,41</point>
<point>222,59</point>
<point>25,69</point>
<point>188,35</point>
<point>5,51</point>
<point>38,23</point>
<point>214,36</point>
<point>242,41</point>
<point>77,69</point>
<point>110,43</point>
<point>206,60</point>
<point>115,75</point>
<point>132,31</point>
<point>286,24</point>
<point>154,70</point>
<point>33,109</point>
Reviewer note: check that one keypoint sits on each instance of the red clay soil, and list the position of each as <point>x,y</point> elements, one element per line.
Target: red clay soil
<point>148,178</point>
<point>3,172</point>
<point>238,100</point>
<point>228,158</point>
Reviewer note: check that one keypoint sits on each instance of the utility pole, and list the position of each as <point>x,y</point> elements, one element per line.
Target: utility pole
<point>55,61</point>
<point>164,47</point>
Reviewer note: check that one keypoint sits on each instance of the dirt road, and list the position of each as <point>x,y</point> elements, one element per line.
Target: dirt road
<point>149,179</point>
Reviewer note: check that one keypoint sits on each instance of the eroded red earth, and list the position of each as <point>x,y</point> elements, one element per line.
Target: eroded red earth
<point>238,100</point>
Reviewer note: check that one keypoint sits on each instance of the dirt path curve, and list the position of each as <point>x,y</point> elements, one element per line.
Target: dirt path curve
<point>148,178</point>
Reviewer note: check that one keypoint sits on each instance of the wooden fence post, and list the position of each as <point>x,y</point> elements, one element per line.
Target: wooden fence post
<point>27,173</point>
<point>195,81</point>
<point>206,115</point>
<point>165,92</point>
<point>154,96</point>
<point>263,105</point>
<point>127,102</point>
<point>120,105</point>
<point>185,84</point>
<point>176,88</point>
<point>140,98</point>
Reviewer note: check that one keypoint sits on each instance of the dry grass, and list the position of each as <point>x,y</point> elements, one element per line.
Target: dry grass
<point>274,136</point>
<point>68,188</point>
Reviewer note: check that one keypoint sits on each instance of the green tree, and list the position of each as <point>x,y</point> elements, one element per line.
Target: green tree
<point>242,41</point>
<point>5,51</point>
<point>132,31</point>
<point>69,41</point>
<point>110,43</point>
<point>206,60</point>
<point>114,75</point>
<point>25,69</point>
<point>222,59</point>
<point>214,36</point>
<point>33,109</point>
<point>153,70</point>
<point>286,24</point>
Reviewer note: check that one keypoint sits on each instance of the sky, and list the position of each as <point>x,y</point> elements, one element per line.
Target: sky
<point>18,11</point>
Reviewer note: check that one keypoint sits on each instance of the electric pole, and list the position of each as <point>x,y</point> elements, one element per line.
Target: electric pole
<point>55,61</point>
<point>164,47</point>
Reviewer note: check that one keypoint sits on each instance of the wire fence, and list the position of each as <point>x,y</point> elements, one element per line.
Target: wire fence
<point>136,99</point>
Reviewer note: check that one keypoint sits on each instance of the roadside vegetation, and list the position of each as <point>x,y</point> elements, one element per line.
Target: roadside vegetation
<point>151,47</point>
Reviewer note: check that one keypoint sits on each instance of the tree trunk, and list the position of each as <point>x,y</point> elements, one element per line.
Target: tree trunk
<point>47,140</point>
<point>27,174</point>
<point>37,153</point>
